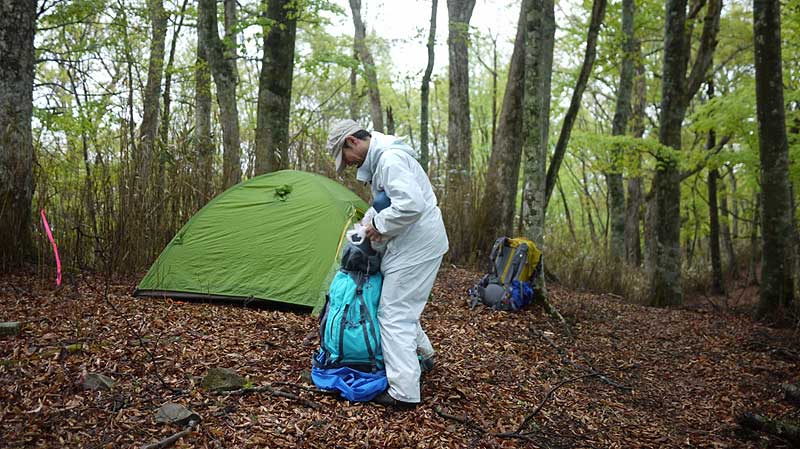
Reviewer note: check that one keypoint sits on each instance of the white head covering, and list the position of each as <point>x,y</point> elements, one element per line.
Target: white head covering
<point>338,132</point>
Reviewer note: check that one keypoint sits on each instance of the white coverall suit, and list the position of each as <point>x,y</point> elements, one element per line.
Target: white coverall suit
<point>415,240</point>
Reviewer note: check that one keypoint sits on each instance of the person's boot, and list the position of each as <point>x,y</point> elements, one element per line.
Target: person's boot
<point>426,364</point>
<point>386,400</point>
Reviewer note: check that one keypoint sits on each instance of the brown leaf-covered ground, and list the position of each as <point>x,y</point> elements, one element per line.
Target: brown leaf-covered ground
<point>672,378</point>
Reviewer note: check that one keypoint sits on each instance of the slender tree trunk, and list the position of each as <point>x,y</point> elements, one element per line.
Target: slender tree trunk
<point>376,110</point>
<point>144,190</point>
<point>540,29</point>
<point>275,88</point>
<point>494,90</point>
<point>676,93</point>
<point>166,230</point>
<point>167,96</point>
<point>566,211</point>
<point>598,14</point>
<point>152,95</point>
<point>616,188</point>
<point>495,215</point>
<point>692,244</point>
<point>390,120</point>
<point>223,69</point>
<point>89,194</point>
<point>458,210</point>
<point>725,231</point>
<point>755,251</point>
<point>17,28</point>
<point>633,207</point>
<point>588,195</point>
<point>354,87</point>
<point>650,231</point>
<point>436,132</point>
<point>204,146</point>
<point>734,205</point>
<point>425,91</point>
<point>776,221</point>
<point>717,282</point>
<point>633,246</point>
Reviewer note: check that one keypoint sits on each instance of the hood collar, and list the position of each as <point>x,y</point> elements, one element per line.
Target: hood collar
<point>378,144</point>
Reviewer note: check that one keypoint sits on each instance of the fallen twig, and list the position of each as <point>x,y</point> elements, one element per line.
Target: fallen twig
<point>475,426</point>
<point>462,419</point>
<point>170,440</point>
<point>133,331</point>
<point>547,398</point>
<point>568,361</point>
<point>518,434</point>
<point>552,311</point>
<point>273,392</point>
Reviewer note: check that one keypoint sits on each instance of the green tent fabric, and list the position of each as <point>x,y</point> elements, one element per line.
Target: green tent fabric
<point>276,237</point>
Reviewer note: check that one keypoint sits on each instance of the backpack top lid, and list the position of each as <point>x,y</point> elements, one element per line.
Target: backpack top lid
<point>361,257</point>
<point>514,258</point>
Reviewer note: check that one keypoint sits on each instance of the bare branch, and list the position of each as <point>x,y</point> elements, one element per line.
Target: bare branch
<point>170,440</point>
<point>708,42</point>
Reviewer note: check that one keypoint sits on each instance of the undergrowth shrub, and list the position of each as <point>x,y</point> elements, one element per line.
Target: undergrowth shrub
<point>586,267</point>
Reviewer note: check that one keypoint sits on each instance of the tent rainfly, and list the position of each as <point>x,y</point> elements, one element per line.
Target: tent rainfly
<point>276,237</point>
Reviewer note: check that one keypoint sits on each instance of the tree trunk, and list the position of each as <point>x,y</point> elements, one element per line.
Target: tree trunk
<point>204,146</point>
<point>650,232</point>
<point>425,91</point>
<point>165,229</point>
<point>666,281</point>
<point>633,207</point>
<point>752,273</point>
<point>390,121</point>
<point>89,194</point>
<point>275,88</point>
<point>165,110</point>
<point>734,205</point>
<point>717,282</point>
<point>725,231</point>
<point>223,68</point>
<point>566,211</point>
<point>633,246</point>
<point>376,110</point>
<point>540,27</point>
<point>17,28</point>
<point>598,14</point>
<point>152,94</point>
<point>616,188</point>
<point>588,195</point>
<point>776,220</point>
<point>495,215</point>
<point>459,135</point>
<point>354,87</point>
<point>144,191</point>
<point>676,93</point>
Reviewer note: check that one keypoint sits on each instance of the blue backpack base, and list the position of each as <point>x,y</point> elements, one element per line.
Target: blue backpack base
<point>353,385</point>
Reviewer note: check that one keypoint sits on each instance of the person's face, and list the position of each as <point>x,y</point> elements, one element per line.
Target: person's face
<point>354,151</point>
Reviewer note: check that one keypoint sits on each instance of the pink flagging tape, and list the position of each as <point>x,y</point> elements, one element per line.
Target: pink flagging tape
<point>55,248</point>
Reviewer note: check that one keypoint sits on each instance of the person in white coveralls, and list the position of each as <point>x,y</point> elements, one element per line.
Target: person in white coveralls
<point>413,234</point>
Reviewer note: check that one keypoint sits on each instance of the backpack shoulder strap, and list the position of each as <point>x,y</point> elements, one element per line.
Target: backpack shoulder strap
<point>496,251</point>
<point>519,259</point>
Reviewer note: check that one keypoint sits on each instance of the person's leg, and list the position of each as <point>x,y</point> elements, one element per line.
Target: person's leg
<point>403,298</point>
<point>424,346</point>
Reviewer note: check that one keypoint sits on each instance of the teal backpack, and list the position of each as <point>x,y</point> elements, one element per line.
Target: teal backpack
<point>348,327</point>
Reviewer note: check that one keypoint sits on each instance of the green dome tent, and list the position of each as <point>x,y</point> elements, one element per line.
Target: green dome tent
<point>275,237</point>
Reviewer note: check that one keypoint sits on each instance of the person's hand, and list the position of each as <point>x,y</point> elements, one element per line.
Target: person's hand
<point>373,233</point>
